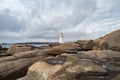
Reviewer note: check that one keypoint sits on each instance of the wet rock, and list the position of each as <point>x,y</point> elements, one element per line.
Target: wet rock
<point>57,60</point>
<point>73,50</point>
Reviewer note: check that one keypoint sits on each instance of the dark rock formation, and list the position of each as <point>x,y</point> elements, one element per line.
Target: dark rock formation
<point>57,60</point>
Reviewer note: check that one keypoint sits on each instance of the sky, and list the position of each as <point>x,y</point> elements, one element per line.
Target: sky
<point>44,20</point>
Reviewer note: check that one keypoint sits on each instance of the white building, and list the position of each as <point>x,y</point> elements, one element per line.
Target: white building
<point>61,38</point>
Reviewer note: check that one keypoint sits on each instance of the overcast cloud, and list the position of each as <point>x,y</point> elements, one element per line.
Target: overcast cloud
<point>44,20</point>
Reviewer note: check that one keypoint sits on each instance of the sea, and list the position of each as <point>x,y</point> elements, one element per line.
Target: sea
<point>36,45</point>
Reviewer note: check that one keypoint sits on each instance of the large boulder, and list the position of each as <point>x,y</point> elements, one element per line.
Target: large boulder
<point>111,41</point>
<point>20,55</point>
<point>64,67</point>
<point>96,43</point>
<point>16,65</point>
<point>18,48</point>
<point>59,49</point>
<point>108,42</point>
<point>85,44</point>
<point>107,58</point>
<point>11,70</point>
<point>100,54</point>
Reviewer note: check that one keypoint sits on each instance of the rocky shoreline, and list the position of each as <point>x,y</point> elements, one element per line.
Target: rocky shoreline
<point>97,59</point>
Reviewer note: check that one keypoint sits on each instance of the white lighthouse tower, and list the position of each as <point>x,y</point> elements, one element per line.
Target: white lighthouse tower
<point>61,38</point>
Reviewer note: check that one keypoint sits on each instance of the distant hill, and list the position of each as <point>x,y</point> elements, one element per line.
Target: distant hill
<point>31,43</point>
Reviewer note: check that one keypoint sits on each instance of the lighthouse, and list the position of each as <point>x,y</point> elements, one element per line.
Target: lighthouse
<point>61,38</point>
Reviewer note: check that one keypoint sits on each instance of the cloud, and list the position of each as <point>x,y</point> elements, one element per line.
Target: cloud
<point>44,20</point>
<point>102,21</point>
<point>9,22</point>
<point>58,16</point>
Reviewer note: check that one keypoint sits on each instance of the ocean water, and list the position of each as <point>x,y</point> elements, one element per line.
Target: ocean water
<point>36,45</point>
<point>6,45</point>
